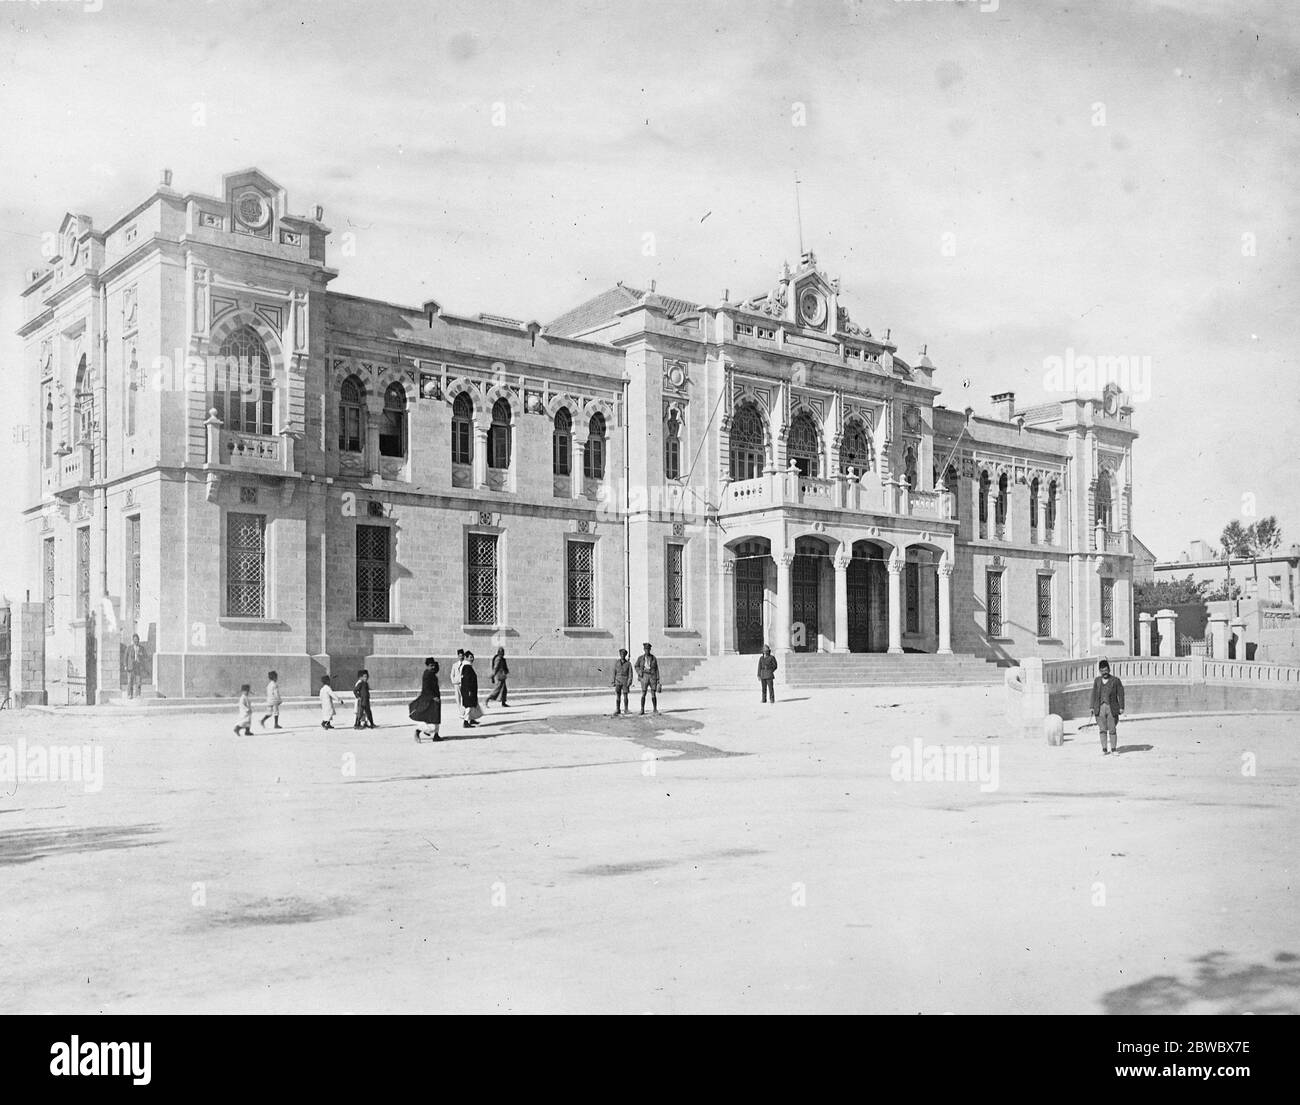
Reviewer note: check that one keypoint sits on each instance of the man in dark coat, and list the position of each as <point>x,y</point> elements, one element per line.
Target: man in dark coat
<point>647,671</point>
<point>469,691</point>
<point>361,690</point>
<point>135,663</point>
<point>500,670</point>
<point>426,710</point>
<point>1107,705</point>
<point>766,673</point>
<point>622,681</point>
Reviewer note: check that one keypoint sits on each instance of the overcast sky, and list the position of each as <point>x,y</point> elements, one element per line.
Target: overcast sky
<point>1005,185</point>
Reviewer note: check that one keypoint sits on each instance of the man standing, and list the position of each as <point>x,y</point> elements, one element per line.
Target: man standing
<point>647,671</point>
<point>500,673</point>
<point>622,681</point>
<point>766,673</point>
<point>455,673</point>
<point>1107,705</point>
<point>135,658</point>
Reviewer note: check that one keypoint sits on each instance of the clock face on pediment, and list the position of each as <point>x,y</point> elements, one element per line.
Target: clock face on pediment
<point>812,308</point>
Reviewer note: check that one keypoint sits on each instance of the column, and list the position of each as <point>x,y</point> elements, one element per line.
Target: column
<point>1217,632</point>
<point>1239,633</point>
<point>1144,634</point>
<point>370,442</point>
<point>945,606</point>
<point>895,569</point>
<point>1165,621</point>
<point>783,562</point>
<point>579,446</point>
<point>841,566</point>
<point>480,453</point>
<point>727,603</point>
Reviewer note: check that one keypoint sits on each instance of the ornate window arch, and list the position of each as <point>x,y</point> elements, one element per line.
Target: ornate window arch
<point>1049,507</point>
<point>83,399</point>
<point>909,466</point>
<point>352,416</point>
<point>984,495</point>
<point>1033,503</point>
<point>1004,495</point>
<point>593,457</point>
<point>1105,502</point>
<point>748,446</point>
<point>47,429</point>
<point>855,448</point>
<point>132,370</point>
<point>244,388</point>
<point>803,444</point>
<point>562,443</point>
<point>462,429</point>
<point>499,435</point>
<point>392,427</point>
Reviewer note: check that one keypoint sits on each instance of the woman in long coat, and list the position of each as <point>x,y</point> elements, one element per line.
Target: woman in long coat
<point>500,672</point>
<point>427,709</point>
<point>469,692</point>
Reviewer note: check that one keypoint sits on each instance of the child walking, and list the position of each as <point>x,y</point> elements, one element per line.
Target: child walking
<point>245,713</point>
<point>272,700</point>
<point>364,720</point>
<point>622,682</point>
<point>327,700</point>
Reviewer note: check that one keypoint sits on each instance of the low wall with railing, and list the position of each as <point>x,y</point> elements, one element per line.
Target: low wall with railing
<point>1152,685</point>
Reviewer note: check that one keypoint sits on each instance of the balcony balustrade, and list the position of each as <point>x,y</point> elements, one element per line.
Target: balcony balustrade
<point>790,488</point>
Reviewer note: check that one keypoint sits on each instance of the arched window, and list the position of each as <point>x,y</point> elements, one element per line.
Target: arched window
<point>1049,508</point>
<point>84,404</point>
<point>244,391</point>
<point>462,430</point>
<point>672,446</point>
<point>392,429</point>
<point>984,498</point>
<point>499,436</point>
<point>803,446</point>
<point>1000,511</point>
<point>593,458</point>
<point>562,443</point>
<point>1104,505</point>
<point>909,467</point>
<point>951,482</point>
<point>855,449</point>
<point>747,442</point>
<point>1033,503</point>
<point>132,389</point>
<point>352,417</point>
<point>47,430</point>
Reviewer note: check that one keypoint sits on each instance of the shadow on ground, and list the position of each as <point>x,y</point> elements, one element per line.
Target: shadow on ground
<point>26,845</point>
<point>645,732</point>
<point>1219,985</point>
<point>277,911</point>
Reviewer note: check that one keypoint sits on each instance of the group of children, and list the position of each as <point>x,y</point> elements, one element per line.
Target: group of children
<point>328,700</point>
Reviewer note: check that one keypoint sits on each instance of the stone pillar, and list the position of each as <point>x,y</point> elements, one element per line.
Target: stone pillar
<point>841,566</point>
<point>212,425</point>
<point>1165,622</point>
<point>1239,635</point>
<point>1217,632</point>
<point>370,442</point>
<point>27,654</point>
<point>1144,634</point>
<point>727,605</point>
<point>945,606</point>
<point>579,448</point>
<point>895,569</point>
<point>480,454</point>
<point>904,496</point>
<point>1099,537</point>
<point>783,562</point>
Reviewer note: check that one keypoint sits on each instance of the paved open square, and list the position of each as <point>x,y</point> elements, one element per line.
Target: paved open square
<point>818,855</point>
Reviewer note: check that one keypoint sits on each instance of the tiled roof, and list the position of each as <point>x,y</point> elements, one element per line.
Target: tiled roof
<point>605,307</point>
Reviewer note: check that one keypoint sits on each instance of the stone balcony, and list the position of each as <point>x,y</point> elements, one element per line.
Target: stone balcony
<point>271,454</point>
<point>72,471</point>
<point>866,496</point>
<point>1116,541</point>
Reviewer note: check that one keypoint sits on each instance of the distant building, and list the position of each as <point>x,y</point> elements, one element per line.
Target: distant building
<point>1144,562</point>
<point>1273,579</point>
<point>252,472</point>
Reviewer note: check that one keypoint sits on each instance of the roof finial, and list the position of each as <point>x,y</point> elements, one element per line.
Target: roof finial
<point>798,213</point>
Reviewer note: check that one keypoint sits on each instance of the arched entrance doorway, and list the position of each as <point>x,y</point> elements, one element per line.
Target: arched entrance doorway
<point>920,593</point>
<point>811,558</point>
<point>868,594</point>
<point>751,561</point>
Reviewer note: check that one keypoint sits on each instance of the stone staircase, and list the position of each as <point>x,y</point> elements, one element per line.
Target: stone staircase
<point>857,669</point>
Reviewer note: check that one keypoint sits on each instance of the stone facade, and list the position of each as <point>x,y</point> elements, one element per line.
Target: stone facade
<point>251,472</point>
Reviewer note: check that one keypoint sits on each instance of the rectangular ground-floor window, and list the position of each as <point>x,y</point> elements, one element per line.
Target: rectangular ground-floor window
<point>246,566</point>
<point>993,602</point>
<point>47,573</point>
<point>481,581</point>
<point>675,598</point>
<point>580,584</point>
<point>1044,605</point>
<point>1107,607</point>
<point>372,574</point>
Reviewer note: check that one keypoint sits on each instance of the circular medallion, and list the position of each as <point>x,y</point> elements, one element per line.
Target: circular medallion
<point>812,308</point>
<point>253,210</point>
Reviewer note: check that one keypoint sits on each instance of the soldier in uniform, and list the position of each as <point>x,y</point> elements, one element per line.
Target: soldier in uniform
<point>647,671</point>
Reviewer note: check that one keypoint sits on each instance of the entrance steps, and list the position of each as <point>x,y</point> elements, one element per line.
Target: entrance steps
<point>855,669</point>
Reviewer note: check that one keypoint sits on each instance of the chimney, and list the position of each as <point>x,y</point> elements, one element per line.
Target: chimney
<point>319,213</point>
<point>166,178</point>
<point>1004,405</point>
<point>432,308</point>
